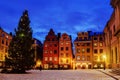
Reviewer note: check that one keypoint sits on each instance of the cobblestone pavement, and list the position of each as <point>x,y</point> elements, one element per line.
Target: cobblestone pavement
<point>58,75</point>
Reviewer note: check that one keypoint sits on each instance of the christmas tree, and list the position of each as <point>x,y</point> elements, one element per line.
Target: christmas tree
<point>20,54</point>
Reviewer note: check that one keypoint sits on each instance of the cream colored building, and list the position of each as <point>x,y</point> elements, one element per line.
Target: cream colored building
<point>112,36</point>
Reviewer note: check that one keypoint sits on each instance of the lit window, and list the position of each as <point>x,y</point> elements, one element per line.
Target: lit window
<point>7,37</point>
<point>101,58</point>
<point>101,44</point>
<point>67,61</point>
<point>95,44</point>
<point>78,50</point>
<point>83,50</point>
<point>55,58</point>
<point>61,43</point>
<point>67,43</point>
<point>83,58</point>
<point>61,61</point>
<point>46,51</point>
<point>88,58</point>
<point>95,58</point>
<point>50,58</point>
<point>46,58</point>
<point>50,51</point>
<point>78,57</point>
<point>46,45</point>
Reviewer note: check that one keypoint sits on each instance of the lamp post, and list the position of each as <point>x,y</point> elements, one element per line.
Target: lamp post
<point>104,57</point>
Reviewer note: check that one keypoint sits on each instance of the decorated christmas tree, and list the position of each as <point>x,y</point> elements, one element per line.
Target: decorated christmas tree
<point>20,54</point>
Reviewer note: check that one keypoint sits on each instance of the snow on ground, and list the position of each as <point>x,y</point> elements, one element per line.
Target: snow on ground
<point>57,75</point>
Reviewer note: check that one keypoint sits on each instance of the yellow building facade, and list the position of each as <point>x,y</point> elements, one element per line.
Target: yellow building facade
<point>65,52</point>
<point>83,51</point>
<point>5,39</point>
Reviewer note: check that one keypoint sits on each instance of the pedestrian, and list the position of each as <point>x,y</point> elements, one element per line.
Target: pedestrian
<point>40,67</point>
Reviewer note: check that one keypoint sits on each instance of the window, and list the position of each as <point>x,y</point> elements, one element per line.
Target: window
<point>95,58</point>
<point>95,51</point>
<point>95,44</point>
<point>83,58</point>
<point>78,50</point>
<point>78,57</point>
<point>95,38</point>
<point>78,44</point>
<point>83,50</point>
<point>67,61</point>
<point>80,38</point>
<point>64,37</point>
<point>61,43</point>
<point>101,44</point>
<point>53,39</point>
<point>3,35</point>
<point>67,55</point>
<point>46,45</point>
<point>101,50</point>
<point>88,44</point>
<point>101,58</point>
<point>50,51</point>
<point>101,39</point>
<point>67,48</point>
<point>55,51</point>
<point>83,44</point>
<point>55,45</point>
<point>2,41</point>
<point>55,58</point>
<point>85,38</point>
<point>67,43</point>
<point>88,58</point>
<point>61,54</point>
<point>61,61</point>
<point>62,48</point>
<point>6,50</point>
<point>46,58</point>
<point>88,50</point>
<point>46,51</point>
<point>50,58</point>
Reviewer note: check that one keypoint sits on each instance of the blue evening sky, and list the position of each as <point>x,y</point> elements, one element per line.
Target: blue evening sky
<point>65,16</point>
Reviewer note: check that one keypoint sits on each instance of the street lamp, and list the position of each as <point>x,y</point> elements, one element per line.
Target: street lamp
<point>104,57</point>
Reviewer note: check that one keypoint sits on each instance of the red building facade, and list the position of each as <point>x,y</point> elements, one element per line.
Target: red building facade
<point>51,51</point>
